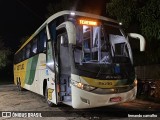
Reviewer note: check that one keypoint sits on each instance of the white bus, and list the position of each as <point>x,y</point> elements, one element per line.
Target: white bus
<point>79,59</point>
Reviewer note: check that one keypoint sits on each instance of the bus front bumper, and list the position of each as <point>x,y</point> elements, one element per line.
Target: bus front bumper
<point>85,99</point>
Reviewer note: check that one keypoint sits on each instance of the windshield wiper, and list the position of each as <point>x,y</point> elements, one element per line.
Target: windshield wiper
<point>99,72</point>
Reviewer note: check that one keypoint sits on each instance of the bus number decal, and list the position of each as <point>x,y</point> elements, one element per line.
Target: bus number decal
<point>105,83</point>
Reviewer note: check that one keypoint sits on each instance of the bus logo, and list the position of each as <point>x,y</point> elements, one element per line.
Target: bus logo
<point>6,114</point>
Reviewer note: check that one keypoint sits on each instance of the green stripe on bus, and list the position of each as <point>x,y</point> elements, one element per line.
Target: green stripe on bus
<point>31,69</point>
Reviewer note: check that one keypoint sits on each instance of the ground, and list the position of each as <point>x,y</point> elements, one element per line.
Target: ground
<point>13,100</point>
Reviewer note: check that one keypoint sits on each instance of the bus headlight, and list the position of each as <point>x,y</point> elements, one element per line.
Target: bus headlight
<point>83,86</point>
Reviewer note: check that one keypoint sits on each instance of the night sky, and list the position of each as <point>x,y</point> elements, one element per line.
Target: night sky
<point>19,18</point>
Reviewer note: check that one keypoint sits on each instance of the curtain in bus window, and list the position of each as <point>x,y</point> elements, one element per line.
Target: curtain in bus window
<point>23,56</point>
<point>28,51</point>
<point>86,37</point>
<point>42,41</point>
<point>34,46</point>
<point>96,36</point>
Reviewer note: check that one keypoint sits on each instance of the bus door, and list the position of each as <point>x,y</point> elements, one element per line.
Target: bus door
<point>64,67</point>
<point>51,75</point>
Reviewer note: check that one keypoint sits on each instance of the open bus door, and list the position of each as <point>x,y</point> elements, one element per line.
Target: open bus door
<point>51,73</point>
<point>66,36</point>
<point>64,69</point>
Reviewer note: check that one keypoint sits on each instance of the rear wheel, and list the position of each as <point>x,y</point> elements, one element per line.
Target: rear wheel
<point>46,97</point>
<point>19,85</point>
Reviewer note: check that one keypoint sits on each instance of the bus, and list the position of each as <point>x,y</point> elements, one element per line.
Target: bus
<point>79,59</point>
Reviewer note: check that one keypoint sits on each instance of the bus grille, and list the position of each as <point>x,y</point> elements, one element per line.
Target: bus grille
<point>113,90</point>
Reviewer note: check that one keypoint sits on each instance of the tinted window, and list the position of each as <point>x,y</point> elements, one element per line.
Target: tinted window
<point>34,46</point>
<point>23,54</point>
<point>28,53</point>
<point>42,41</point>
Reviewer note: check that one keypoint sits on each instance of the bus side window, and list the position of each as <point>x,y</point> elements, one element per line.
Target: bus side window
<point>19,56</point>
<point>42,41</point>
<point>23,54</point>
<point>28,54</point>
<point>34,46</point>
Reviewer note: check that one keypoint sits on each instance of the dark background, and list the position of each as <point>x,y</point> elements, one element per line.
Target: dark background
<point>20,18</point>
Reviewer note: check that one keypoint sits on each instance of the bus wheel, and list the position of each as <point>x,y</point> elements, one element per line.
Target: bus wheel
<point>19,86</point>
<point>46,97</point>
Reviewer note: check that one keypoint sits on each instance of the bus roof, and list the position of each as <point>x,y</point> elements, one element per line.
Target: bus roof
<point>66,12</point>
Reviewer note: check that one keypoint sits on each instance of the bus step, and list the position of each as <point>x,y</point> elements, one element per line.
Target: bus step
<point>68,103</point>
<point>63,88</point>
<point>66,98</point>
<point>62,94</point>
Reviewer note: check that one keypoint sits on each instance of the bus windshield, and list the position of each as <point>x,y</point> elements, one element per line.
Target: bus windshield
<point>99,44</point>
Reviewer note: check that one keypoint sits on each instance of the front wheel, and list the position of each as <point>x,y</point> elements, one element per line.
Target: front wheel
<point>46,97</point>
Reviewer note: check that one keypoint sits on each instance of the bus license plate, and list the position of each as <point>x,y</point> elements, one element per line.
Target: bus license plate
<point>115,99</point>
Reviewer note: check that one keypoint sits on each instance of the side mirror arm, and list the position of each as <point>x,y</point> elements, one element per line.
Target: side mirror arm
<point>141,38</point>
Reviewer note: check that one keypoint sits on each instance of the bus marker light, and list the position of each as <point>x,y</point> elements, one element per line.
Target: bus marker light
<point>72,13</point>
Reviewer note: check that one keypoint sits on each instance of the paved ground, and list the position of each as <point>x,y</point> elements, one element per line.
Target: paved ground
<point>13,100</point>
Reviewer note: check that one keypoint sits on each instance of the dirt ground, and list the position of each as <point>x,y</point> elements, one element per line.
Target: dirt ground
<point>13,100</point>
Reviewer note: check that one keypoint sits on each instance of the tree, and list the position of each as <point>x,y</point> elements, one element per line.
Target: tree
<point>149,17</point>
<point>142,16</point>
<point>4,53</point>
<point>145,13</point>
<point>122,10</point>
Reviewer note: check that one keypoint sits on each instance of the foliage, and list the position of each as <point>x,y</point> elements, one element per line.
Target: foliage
<point>145,16</point>
<point>149,17</point>
<point>146,13</point>
<point>123,10</point>
<point>4,53</point>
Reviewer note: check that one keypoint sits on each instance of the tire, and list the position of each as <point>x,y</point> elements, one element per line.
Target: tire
<point>46,97</point>
<point>19,86</point>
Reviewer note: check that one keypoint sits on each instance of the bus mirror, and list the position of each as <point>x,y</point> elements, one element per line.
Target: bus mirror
<point>141,38</point>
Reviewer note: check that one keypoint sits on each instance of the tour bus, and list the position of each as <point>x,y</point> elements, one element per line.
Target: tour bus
<point>79,59</point>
